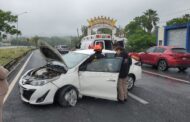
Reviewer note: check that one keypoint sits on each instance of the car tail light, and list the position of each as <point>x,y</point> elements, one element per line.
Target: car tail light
<point>108,36</point>
<point>98,36</point>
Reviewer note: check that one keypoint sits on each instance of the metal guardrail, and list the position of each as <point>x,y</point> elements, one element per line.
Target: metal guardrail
<point>10,64</point>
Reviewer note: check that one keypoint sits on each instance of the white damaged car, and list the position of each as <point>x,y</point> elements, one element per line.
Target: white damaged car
<point>66,78</point>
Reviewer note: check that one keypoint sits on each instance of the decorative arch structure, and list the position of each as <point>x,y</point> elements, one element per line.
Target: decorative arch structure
<point>102,22</point>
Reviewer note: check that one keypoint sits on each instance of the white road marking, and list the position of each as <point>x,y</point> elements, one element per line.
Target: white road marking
<point>165,76</point>
<point>11,86</point>
<point>13,69</point>
<point>137,98</point>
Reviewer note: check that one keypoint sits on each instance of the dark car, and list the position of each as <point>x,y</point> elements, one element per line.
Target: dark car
<point>63,49</point>
<point>164,57</point>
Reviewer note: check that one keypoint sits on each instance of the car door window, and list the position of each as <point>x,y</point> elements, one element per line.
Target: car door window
<point>159,50</point>
<point>105,65</point>
<point>150,50</point>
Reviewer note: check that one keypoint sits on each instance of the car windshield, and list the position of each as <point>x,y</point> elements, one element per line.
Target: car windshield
<point>179,50</point>
<point>72,59</point>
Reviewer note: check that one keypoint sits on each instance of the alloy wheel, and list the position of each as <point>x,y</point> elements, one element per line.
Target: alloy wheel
<point>71,97</point>
<point>130,82</point>
<point>162,65</point>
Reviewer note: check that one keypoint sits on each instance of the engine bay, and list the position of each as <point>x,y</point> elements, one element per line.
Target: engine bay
<point>48,71</point>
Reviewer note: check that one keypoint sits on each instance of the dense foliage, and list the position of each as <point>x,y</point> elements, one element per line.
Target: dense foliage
<point>7,26</point>
<point>182,20</point>
<point>141,31</point>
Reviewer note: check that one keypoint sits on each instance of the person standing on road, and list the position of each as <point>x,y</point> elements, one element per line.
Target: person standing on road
<point>3,88</point>
<point>125,66</point>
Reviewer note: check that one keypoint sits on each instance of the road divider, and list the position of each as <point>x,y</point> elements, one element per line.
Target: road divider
<point>167,77</point>
<point>11,86</point>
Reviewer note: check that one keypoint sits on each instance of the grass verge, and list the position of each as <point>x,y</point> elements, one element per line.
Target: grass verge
<point>6,55</point>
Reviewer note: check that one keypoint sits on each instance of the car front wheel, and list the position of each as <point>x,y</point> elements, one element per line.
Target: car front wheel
<point>162,65</point>
<point>68,96</point>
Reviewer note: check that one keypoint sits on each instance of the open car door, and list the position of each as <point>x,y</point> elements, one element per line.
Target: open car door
<point>99,78</point>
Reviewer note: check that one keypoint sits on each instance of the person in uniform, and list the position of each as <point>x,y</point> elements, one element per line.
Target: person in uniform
<point>125,66</point>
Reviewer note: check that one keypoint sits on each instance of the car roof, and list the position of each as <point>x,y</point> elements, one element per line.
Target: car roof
<point>91,51</point>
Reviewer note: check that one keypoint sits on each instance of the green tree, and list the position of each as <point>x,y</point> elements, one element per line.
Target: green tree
<point>34,40</point>
<point>141,31</point>
<point>150,19</point>
<point>84,30</point>
<point>131,28</point>
<point>147,22</point>
<point>140,41</point>
<point>182,20</point>
<point>120,32</point>
<point>7,26</point>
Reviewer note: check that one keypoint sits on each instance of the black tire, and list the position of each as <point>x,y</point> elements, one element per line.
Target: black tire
<point>64,99</point>
<point>182,68</point>
<point>131,82</point>
<point>162,65</point>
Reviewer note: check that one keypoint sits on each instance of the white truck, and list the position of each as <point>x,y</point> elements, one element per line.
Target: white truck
<point>106,40</point>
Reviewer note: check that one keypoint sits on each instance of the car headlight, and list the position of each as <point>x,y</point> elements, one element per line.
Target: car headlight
<point>38,83</point>
<point>42,82</point>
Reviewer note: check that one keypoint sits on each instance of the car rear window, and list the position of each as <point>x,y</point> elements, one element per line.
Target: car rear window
<point>108,45</point>
<point>179,50</point>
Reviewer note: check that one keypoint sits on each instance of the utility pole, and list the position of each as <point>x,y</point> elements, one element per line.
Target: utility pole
<point>18,19</point>
<point>78,32</point>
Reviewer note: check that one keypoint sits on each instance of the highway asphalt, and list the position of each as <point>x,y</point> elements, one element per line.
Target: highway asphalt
<point>167,101</point>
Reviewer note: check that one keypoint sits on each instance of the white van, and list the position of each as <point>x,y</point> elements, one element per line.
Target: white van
<point>105,40</point>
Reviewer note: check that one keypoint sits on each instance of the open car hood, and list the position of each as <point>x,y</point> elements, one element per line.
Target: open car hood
<point>50,54</point>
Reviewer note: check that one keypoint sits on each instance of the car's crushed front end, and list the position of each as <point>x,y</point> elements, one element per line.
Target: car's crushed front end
<point>36,86</point>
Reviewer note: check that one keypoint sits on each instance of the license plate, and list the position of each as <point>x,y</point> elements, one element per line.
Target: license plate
<point>184,58</point>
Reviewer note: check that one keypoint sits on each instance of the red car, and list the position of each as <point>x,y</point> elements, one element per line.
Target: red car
<point>164,57</point>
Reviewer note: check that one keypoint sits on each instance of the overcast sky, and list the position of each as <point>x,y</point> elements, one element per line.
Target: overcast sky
<point>63,17</point>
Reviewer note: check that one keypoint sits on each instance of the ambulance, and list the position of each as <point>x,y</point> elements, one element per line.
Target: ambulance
<point>105,40</point>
